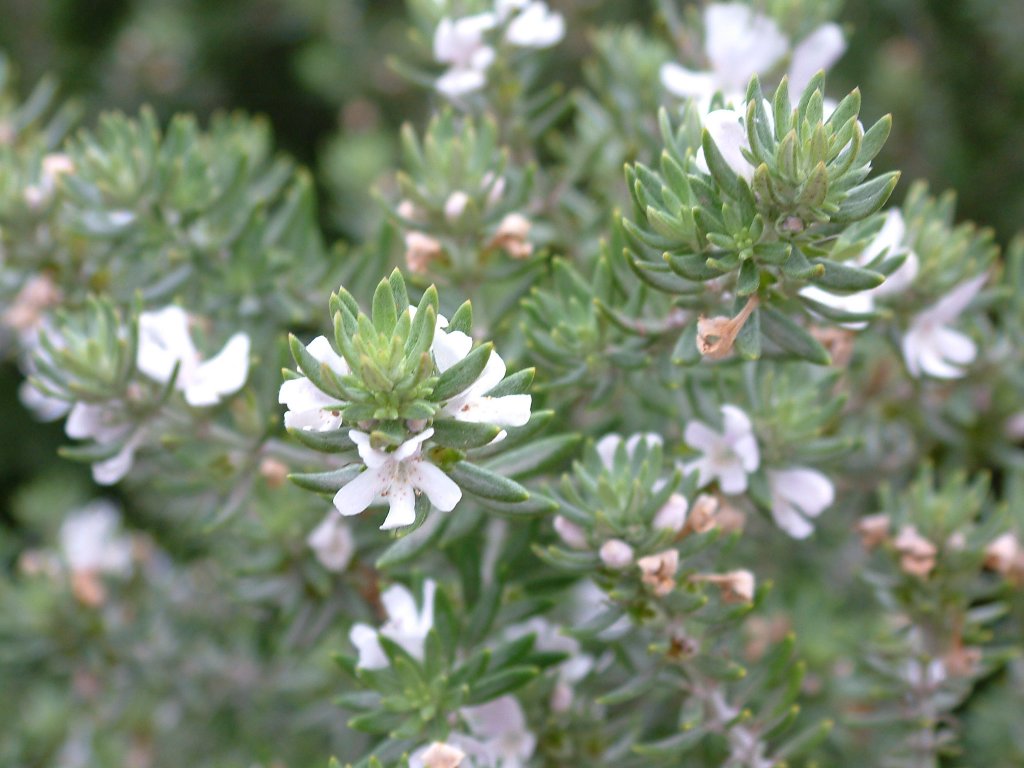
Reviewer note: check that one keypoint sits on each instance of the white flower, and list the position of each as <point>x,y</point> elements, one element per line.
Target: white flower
<point>501,727</point>
<point>533,25</point>
<point>931,347</point>
<point>799,493</point>
<point>818,51</point>
<point>332,542</point>
<point>106,424</point>
<point>739,43</point>
<point>406,625</point>
<point>308,407</point>
<point>164,342</point>
<point>729,456</point>
<point>474,404</point>
<point>608,445</point>
<point>396,476</point>
<point>91,541</point>
<point>461,45</point>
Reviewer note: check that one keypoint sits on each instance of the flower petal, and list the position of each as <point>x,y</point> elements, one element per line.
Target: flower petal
<point>686,83</point>
<point>371,655</point>
<point>443,492</point>
<point>732,478</point>
<point>359,493</point>
<point>223,374</point>
<point>789,519</point>
<point>401,506</point>
<point>819,50</point>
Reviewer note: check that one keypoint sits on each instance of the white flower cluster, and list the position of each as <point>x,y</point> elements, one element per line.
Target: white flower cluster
<point>395,476</point>
<point>739,43</point>
<point>798,494</point>
<point>462,44</point>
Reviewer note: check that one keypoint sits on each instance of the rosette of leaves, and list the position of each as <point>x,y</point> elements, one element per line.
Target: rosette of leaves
<point>393,390</point>
<point>29,128</point>
<point>768,236</point>
<point>589,328</point>
<point>410,702</point>
<point>89,354</point>
<point>460,184</point>
<point>183,212</point>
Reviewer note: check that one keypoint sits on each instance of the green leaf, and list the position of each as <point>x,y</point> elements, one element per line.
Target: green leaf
<point>534,457</point>
<point>410,545</point>
<point>865,199</point>
<point>321,376</point>
<point>486,484</point>
<point>720,170</point>
<point>463,435</point>
<point>685,351</point>
<point>748,340</point>
<point>515,384</point>
<point>791,337</point>
<point>397,283</point>
<point>462,320</point>
<point>749,279</point>
<point>462,375</point>
<point>331,441</point>
<point>384,312</point>
<point>326,482</point>
<point>843,277</point>
<point>490,687</point>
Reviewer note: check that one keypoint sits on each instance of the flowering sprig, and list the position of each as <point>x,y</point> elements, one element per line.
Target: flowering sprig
<point>650,549</point>
<point>462,201</point>
<point>757,207</point>
<point>404,406</point>
<point>934,541</point>
<point>415,683</point>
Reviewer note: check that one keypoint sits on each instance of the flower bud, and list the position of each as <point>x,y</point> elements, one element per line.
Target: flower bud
<point>702,516</point>
<point>873,530</point>
<point>616,554</point>
<point>1002,553</point>
<point>407,210</point>
<point>455,206</point>
<point>672,516</point>
<point>917,554</point>
<point>275,472</point>
<point>659,571</point>
<point>735,586</point>
<point>511,236</point>
<point>441,755</point>
<point>37,295</point>
<point>497,188</point>
<point>570,533</point>
<point>420,250</point>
